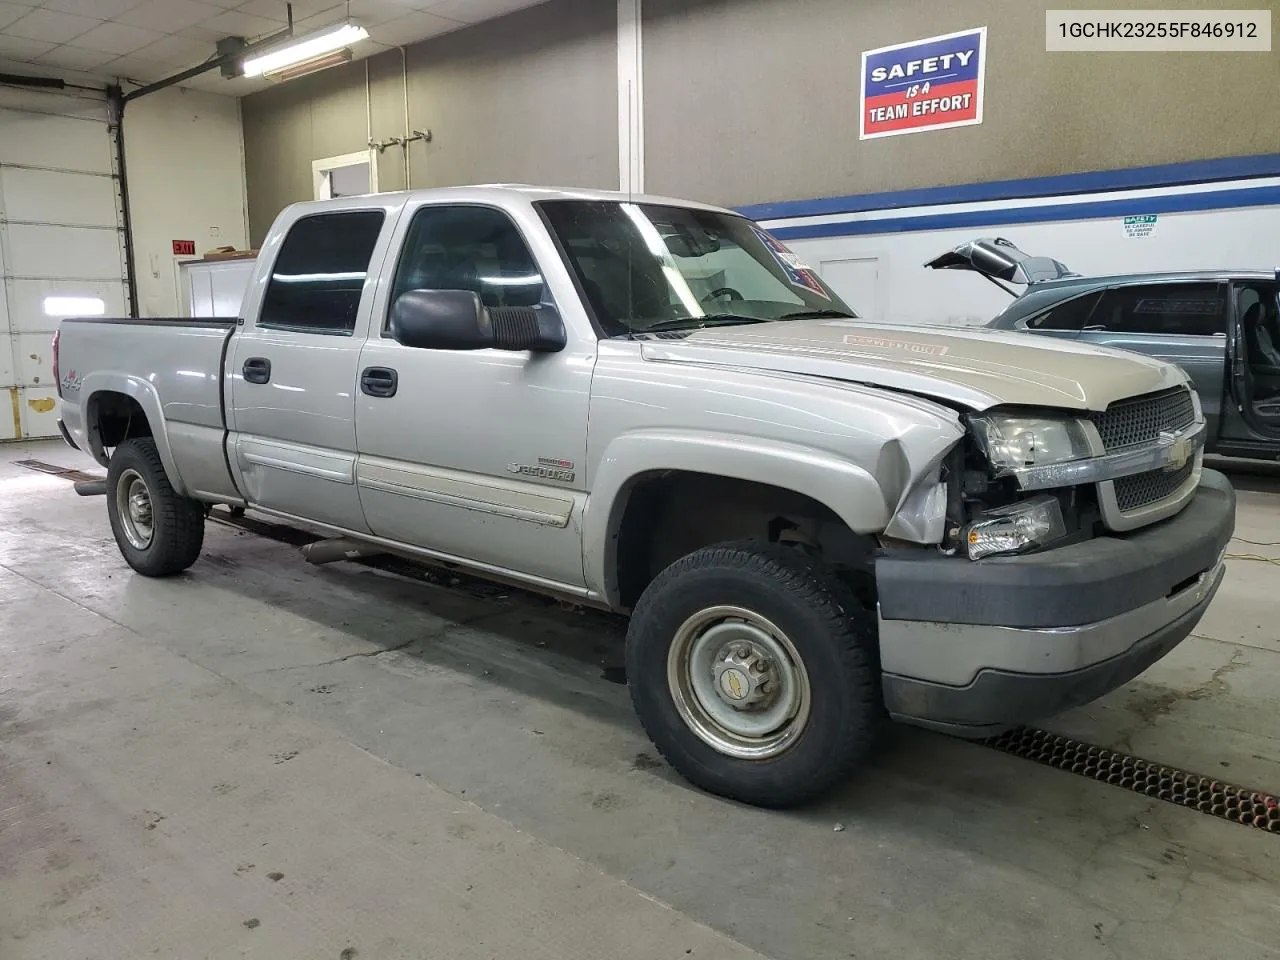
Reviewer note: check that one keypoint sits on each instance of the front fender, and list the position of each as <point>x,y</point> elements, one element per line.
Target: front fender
<point>147,397</point>
<point>850,491</point>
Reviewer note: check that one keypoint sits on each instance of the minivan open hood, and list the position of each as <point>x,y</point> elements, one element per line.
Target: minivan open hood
<point>978,368</point>
<point>998,259</point>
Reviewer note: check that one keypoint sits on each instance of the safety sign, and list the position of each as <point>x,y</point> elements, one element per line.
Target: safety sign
<point>927,84</point>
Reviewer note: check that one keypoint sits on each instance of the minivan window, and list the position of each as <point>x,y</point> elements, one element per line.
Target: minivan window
<point>1071,314</point>
<point>319,273</point>
<point>1172,309</point>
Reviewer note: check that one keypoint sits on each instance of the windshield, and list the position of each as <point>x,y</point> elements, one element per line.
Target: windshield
<point>649,268</point>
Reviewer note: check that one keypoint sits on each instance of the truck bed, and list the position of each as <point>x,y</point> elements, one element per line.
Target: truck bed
<point>172,367</point>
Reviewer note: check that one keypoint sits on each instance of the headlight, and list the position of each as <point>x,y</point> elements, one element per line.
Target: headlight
<point>1012,443</point>
<point>1020,526</point>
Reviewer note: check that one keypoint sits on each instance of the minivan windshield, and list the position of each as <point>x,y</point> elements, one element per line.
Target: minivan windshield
<point>651,268</point>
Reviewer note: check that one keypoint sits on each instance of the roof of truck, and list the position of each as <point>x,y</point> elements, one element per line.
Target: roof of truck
<point>505,192</point>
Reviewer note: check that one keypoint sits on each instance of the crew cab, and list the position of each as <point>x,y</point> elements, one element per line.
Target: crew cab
<point>1221,326</point>
<point>652,406</point>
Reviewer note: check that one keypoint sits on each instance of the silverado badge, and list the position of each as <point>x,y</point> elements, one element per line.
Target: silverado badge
<point>547,468</point>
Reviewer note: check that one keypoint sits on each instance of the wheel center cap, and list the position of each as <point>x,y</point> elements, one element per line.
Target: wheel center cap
<point>735,684</point>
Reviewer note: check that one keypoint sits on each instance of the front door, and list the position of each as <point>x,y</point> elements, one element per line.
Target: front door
<point>474,454</point>
<point>293,372</point>
<point>1182,322</point>
<point>1253,414</point>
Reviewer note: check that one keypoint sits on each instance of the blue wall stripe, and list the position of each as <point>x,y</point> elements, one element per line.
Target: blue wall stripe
<point>1136,178</point>
<point>1179,203</point>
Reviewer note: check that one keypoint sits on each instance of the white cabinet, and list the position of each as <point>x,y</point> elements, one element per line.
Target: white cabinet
<point>214,288</point>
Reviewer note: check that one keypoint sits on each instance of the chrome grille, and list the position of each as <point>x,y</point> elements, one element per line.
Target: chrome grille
<point>1131,423</point>
<point>1142,489</point>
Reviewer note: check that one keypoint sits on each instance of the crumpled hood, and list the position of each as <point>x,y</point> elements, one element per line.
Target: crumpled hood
<point>978,368</point>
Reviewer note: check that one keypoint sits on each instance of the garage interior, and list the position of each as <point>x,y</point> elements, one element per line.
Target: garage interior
<point>269,758</point>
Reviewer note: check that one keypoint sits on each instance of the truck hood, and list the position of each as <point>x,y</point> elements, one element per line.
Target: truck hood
<point>978,368</point>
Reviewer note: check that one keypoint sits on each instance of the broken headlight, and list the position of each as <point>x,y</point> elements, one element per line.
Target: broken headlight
<point>1012,444</point>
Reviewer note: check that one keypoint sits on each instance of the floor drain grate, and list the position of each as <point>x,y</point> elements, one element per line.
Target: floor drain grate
<point>66,473</point>
<point>1252,808</point>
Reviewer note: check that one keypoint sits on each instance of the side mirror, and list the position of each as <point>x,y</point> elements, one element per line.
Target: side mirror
<point>458,320</point>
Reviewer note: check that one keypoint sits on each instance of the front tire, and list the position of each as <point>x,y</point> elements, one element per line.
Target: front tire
<point>159,532</point>
<point>753,670</point>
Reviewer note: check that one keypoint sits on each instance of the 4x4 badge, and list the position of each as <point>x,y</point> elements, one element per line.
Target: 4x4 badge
<point>547,468</point>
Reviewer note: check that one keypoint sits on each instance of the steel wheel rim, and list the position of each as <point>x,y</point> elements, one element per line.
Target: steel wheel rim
<point>133,504</point>
<point>727,700</point>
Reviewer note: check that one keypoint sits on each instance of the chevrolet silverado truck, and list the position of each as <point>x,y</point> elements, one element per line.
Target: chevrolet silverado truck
<point>652,406</point>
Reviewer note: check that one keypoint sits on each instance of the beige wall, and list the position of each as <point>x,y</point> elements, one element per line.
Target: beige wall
<point>527,97</point>
<point>747,101</point>
<point>185,161</point>
<point>770,90</point>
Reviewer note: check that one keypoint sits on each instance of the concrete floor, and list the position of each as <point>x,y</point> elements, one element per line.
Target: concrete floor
<point>267,759</point>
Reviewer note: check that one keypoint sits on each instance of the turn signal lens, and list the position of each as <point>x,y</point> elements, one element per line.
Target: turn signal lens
<point>1017,527</point>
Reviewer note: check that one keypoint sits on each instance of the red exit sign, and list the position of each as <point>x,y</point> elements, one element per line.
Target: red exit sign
<point>184,248</point>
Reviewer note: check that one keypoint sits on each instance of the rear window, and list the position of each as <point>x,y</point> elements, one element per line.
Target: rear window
<point>319,275</point>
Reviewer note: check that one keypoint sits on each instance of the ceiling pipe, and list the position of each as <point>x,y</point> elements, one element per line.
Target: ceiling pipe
<point>231,52</point>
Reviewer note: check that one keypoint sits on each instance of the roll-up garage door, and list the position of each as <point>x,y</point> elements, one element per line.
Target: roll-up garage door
<point>61,251</point>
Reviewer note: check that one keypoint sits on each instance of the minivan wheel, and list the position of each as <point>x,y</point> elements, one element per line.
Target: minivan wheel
<point>754,673</point>
<point>159,532</point>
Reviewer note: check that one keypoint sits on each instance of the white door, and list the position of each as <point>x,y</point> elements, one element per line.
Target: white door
<point>858,282</point>
<point>60,252</point>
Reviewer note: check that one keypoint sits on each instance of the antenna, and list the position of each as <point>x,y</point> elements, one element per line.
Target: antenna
<point>631,165</point>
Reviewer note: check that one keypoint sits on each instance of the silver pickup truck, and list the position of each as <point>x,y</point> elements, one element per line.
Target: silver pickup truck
<point>652,406</point>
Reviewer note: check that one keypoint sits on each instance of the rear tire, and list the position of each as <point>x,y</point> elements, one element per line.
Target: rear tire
<point>159,532</point>
<point>755,674</point>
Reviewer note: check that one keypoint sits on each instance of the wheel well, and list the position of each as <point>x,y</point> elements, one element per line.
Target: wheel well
<point>670,514</point>
<point>114,418</point>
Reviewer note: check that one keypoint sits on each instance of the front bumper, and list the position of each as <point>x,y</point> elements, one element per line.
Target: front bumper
<point>974,648</point>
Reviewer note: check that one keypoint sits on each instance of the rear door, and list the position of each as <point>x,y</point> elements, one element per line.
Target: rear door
<point>1183,322</point>
<point>998,259</point>
<point>293,368</point>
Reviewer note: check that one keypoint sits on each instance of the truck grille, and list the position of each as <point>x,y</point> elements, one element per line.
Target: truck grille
<point>1131,423</point>
<point>1141,489</point>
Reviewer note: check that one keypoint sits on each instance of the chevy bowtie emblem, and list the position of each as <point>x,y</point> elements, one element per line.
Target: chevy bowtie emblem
<point>1179,453</point>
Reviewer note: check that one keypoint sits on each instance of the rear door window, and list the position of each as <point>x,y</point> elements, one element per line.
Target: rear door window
<point>1172,309</point>
<point>319,274</point>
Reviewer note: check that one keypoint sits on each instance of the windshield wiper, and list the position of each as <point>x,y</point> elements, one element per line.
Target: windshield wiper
<point>697,323</point>
<point>818,314</point>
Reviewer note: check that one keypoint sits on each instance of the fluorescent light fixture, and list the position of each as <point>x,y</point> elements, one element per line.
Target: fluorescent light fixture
<point>74,306</point>
<point>308,48</point>
<point>314,65</point>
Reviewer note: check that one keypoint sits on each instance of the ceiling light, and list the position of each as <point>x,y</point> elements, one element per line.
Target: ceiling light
<point>309,48</point>
<point>314,65</point>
